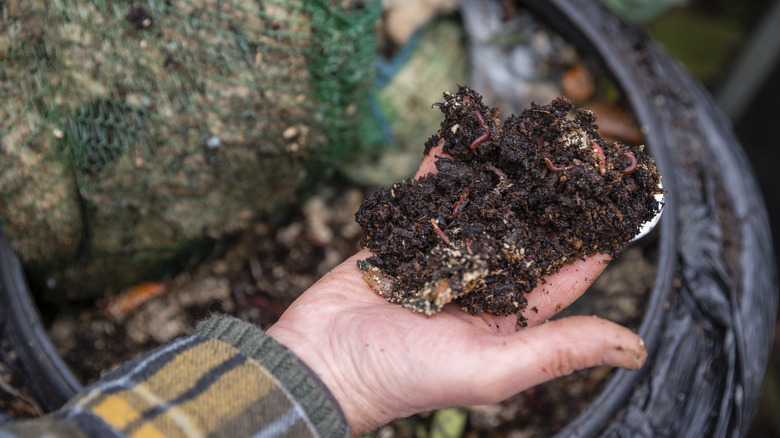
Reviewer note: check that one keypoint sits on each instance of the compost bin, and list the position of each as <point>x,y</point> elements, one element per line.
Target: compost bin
<point>709,320</point>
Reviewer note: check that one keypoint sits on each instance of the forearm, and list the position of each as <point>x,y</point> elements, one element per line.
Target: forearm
<point>227,379</point>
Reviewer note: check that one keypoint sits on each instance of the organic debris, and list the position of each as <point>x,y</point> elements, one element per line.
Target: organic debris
<point>512,201</point>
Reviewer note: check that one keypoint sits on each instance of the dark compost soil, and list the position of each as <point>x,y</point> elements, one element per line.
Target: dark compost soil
<point>511,202</point>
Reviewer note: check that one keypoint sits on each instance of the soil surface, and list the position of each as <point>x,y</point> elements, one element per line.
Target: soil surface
<point>512,201</point>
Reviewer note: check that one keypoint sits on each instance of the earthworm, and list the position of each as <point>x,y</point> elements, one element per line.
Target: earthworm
<point>440,232</point>
<point>266,303</point>
<point>499,173</point>
<point>502,179</point>
<point>602,158</point>
<point>631,167</point>
<point>481,139</point>
<point>461,203</point>
<point>555,168</point>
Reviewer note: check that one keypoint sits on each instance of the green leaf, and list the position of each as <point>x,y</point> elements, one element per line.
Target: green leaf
<point>448,423</point>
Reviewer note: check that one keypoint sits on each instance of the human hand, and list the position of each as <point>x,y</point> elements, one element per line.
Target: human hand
<point>382,361</point>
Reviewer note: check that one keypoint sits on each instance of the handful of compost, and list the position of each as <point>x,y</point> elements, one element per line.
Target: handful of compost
<point>511,202</point>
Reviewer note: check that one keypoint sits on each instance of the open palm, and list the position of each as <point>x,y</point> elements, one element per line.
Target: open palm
<point>382,361</point>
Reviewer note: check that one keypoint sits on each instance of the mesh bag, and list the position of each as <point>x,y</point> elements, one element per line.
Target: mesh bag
<point>128,132</point>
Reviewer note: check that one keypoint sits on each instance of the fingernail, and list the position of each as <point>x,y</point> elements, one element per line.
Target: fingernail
<point>620,357</point>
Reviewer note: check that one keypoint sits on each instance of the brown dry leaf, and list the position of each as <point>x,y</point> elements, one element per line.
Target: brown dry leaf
<point>577,83</point>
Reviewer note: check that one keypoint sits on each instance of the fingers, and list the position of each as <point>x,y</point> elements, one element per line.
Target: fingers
<point>578,342</point>
<point>561,289</point>
<point>428,164</point>
<point>538,354</point>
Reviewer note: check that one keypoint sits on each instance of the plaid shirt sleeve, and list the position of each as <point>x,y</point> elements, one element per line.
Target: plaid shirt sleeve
<point>228,379</point>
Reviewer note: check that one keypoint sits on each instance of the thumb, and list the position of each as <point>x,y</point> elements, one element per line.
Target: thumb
<point>428,164</point>
<point>570,344</point>
<point>554,349</point>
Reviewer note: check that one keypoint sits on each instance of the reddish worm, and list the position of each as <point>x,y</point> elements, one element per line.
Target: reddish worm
<point>461,203</point>
<point>555,168</point>
<point>602,158</point>
<point>631,167</point>
<point>481,139</point>
<point>602,161</point>
<point>440,232</point>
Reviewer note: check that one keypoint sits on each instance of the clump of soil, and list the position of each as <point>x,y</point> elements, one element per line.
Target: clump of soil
<point>511,202</point>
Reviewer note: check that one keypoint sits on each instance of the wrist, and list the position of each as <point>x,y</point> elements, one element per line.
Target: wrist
<point>348,388</point>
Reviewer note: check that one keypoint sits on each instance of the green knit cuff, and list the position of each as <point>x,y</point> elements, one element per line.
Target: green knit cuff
<point>297,378</point>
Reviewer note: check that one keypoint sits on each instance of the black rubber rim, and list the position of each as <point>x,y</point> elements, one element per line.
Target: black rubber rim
<point>36,360</point>
<point>726,301</point>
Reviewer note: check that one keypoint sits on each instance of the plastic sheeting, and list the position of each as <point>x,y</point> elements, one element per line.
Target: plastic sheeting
<point>710,321</point>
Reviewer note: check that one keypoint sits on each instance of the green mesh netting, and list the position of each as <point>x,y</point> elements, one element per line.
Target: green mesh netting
<point>128,131</point>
